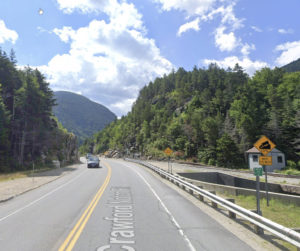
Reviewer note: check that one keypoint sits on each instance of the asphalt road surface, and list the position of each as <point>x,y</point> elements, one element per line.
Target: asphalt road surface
<point>120,206</point>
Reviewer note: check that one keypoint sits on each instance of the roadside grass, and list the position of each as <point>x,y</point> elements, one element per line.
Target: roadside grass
<point>281,213</point>
<point>12,176</point>
<point>191,171</point>
<point>290,171</point>
<point>21,174</point>
<point>261,179</point>
<point>284,214</point>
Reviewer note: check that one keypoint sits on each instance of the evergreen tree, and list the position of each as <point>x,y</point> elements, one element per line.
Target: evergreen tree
<point>4,134</point>
<point>28,131</point>
<point>214,115</point>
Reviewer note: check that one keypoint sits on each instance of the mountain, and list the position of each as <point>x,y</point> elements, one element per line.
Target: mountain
<point>209,115</point>
<point>293,66</point>
<point>80,115</point>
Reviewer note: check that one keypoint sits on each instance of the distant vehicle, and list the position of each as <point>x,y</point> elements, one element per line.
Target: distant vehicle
<point>93,162</point>
<point>88,155</point>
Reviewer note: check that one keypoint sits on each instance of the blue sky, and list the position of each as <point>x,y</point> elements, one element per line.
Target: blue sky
<point>108,50</point>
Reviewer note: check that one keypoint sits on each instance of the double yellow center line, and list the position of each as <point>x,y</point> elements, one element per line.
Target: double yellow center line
<point>73,236</point>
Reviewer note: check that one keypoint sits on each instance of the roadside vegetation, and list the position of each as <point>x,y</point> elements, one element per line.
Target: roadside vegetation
<point>279,212</point>
<point>210,116</point>
<point>29,133</point>
<point>291,169</point>
<point>282,213</point>
<point>22,174</point>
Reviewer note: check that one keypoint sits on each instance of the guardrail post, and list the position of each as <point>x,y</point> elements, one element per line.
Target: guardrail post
<point>258,230</point>
<point>201,198</point>
<point>296,229</point>
<point>231,214</point>
<point>214,204</point>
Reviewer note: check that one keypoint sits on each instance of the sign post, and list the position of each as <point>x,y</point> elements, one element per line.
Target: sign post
<point>257,173</point>
<point>266,183</point>
<point>265,145</point>
<point>33,171</point>
<point>168,151</point>
<point>265,161</point>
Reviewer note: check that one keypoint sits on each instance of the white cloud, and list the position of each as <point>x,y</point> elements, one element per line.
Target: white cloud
<point>84,6</point>
<point>7,34</point>
<point>123,106</point>
<point>119,13</point>
<point>247,48</point>
<point>109,62</point>
<point>284,31</point>
<point>247,64</point>
<point>257,29</point>
<point>205,11</point>
<point>226,13</point>
<point>228,17</point>
<point>225,41</point>
<point>193,25</point>
<point>290,52</point>
<point>65,34</point>
<point>191,7</point>
<point>41,29</point>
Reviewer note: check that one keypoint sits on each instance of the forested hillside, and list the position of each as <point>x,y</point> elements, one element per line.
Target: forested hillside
<point>29,133</point>
<point>212,116</point>
<point>293,66</point>
<point>80,115</point>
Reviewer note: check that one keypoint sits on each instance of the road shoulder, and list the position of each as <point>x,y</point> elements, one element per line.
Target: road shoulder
<point>238,228</point>
<point>12,188</point>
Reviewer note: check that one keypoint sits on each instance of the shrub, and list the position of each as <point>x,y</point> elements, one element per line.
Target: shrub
<point>179,154</point>
<point>212,162</point>
<point>291,164</point>
<point>227,152</point>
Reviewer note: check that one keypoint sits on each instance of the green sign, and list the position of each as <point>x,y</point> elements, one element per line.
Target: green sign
<point>258,171</point>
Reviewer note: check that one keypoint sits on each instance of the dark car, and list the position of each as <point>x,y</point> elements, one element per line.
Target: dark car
<point>93,161</point>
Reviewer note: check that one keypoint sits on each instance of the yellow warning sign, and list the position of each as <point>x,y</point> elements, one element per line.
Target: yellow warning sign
<point>265,160</point>
<point>264,145</point>
<point>168,151</point>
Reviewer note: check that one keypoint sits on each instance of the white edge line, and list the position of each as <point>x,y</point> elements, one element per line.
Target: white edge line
<point>37,200</point>
<point>190,245</point>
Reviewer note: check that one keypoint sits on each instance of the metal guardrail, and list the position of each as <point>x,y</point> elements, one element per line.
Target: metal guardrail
<point>278,230</point>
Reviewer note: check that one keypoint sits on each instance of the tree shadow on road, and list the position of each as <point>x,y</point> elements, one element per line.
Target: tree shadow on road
<point>55,171</point>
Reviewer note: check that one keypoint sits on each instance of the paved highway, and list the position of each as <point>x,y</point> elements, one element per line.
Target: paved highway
<point>120,206</point>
